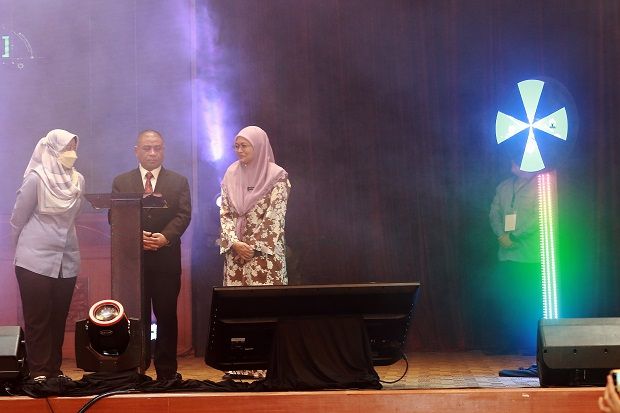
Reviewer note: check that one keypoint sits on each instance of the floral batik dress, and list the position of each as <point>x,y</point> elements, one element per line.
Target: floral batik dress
<point>264,232</point>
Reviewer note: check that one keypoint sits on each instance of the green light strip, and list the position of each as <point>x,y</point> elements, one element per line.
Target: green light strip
<point>7,46</point>
<point>546,212</point>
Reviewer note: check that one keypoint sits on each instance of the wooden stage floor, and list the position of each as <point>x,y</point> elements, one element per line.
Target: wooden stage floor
<point>435,382</point>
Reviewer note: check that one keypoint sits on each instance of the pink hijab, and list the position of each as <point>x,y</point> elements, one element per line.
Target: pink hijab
<point>261,174</point>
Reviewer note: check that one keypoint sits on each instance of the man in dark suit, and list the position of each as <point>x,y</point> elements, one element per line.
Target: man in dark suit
<point>161,240</point>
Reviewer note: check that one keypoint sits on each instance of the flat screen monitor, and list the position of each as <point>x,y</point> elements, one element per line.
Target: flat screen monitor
<point>243,319</point>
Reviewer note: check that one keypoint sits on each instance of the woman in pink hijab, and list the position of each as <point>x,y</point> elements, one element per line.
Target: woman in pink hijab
<point>254,195</point>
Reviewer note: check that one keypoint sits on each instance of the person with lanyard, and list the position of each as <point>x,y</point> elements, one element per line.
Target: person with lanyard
<point>516,287</point>
<point>47,256</point>
<point>254,198</point>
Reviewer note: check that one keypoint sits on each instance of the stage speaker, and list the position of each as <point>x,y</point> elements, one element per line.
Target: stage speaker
<point>12,354</point>
<point>577,351</point>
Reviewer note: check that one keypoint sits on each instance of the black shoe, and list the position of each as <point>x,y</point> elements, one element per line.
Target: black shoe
<point>171,377</point>
<point>36,380</point>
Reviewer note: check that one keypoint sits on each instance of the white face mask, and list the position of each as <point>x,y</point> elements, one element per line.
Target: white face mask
<point>67,159</point>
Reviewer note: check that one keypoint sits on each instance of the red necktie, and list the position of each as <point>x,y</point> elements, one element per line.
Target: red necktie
<point>148,188</point>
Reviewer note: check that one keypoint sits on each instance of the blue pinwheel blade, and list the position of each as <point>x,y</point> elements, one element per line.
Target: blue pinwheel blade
<point>555,124</point>
<point>530,95</point>
<point>532,159</point>
<point>506,127</point>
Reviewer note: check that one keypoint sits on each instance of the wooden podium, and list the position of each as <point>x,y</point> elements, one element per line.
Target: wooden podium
<point>127,281</point>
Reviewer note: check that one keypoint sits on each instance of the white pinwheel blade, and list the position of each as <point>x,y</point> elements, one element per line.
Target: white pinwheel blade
<point>530,94</point>
<point>506,127</point>
<point>532,159</point>
<point>555,124</point>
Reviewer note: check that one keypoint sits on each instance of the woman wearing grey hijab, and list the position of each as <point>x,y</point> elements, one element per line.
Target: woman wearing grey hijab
<point>47,257</point>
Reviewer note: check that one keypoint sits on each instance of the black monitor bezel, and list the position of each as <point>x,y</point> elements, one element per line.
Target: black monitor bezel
<point>250,315</point>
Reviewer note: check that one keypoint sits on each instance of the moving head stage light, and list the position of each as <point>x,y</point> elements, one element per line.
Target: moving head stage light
<point>108,341</point>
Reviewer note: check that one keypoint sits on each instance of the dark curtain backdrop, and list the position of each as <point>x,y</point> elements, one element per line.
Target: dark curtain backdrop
<point>383,114</point>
